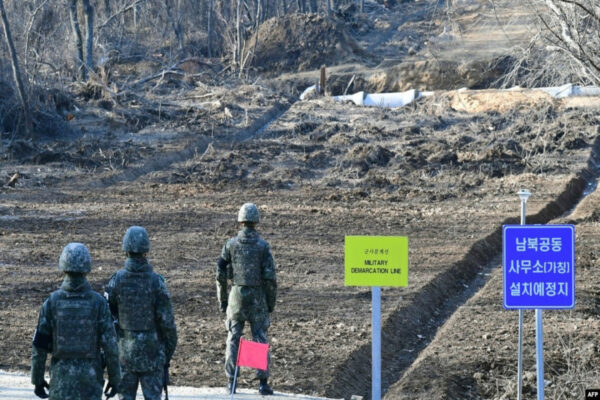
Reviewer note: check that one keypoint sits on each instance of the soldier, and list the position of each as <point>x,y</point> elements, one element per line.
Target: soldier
<point>140,302</point>
<point>74,326</point>
<point>247,261</point>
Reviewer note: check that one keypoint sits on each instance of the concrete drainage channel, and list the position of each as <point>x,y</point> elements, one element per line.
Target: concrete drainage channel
<point>440,298</point>
<point>18,387</point>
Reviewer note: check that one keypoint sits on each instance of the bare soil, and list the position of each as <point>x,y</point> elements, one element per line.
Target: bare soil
<point>179,153</point>
<point>281,44</point>
<point>473,356</point>
<point>321,171</point>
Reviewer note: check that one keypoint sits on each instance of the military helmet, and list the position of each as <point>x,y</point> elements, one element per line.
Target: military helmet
<point>75,258</point>
<point>248,213</point>
<point>136,240</point>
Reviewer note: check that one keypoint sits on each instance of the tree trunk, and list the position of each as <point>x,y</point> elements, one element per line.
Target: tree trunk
<point>210,27</point>
<point>89,43</point>
<point>179,24</point>
<point>258,21</point>
<point>107,8</point>
<point>174,24</point>
<point>259,13</point>
<point>16,72</point>
<point>238,27</point>
<point>78,41</point>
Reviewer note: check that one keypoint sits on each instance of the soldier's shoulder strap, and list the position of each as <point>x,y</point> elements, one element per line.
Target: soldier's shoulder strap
<point>97,297</point>
<point>56,295</point>
<point>231,245</point>
<point>232,241</point>
<point>114,278</point>
<point>157,281</point>
<point>263,242</point>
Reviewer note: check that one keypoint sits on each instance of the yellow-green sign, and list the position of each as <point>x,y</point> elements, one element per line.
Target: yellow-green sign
<point>376,261</point>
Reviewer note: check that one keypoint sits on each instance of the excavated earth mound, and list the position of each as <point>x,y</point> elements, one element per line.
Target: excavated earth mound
<point>300,42</point>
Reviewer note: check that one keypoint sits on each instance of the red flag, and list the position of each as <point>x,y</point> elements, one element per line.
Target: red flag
<point>252,354</point>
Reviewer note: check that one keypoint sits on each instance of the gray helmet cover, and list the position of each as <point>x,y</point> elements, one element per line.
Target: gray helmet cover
<point>248,213</point>
<point>75,258</point>
<point>136,240</point>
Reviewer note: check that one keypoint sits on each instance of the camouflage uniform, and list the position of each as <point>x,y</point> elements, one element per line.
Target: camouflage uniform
<point>247,261</point>
<point>139,299</point>
<point>74,324</point>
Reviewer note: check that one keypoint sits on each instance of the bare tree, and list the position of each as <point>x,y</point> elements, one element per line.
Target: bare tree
<point>210,27</point>
<point>565,48</point>
<point>571,27</point>
<point>238,38</point>
<point>107,8</point>
<point>176,26</point>
<point>78,41</point>
<point>16,71</point>
<point>224,28</point>
<point>251,52</point>
<point>83,69</point>
<point>89,42</point>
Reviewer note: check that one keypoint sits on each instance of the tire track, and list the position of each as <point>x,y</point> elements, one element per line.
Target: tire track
<point>442,296</point>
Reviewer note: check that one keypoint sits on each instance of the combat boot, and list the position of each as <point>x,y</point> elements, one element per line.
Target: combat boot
<point>230,387</point>
<point>264,388</point>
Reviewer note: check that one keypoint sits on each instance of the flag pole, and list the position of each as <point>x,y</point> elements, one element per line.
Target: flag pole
<point>237,367</point>
<point>234,381</point>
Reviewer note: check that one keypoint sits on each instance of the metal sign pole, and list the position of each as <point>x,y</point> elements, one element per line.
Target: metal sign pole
<point>520,357</point>
<point>539,347</point>
<point>523,195</point>
<point>376,340</point>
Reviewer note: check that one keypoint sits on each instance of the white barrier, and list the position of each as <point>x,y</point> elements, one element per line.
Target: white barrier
<point>400,99</point>
<point>387,100</point>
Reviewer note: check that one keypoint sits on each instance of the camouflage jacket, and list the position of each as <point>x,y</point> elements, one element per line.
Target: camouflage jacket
<point>75,375</point>
<point>247,261</point>
<point>140,301</point>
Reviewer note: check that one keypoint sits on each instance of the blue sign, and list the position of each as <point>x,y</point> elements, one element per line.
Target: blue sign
<point>539,266</point>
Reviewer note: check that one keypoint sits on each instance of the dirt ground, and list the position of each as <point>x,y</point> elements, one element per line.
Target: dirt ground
<point>474,354</point>
<point>183,156</point>
<point>445,179</point>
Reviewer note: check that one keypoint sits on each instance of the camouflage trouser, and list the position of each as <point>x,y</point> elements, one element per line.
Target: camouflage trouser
<point>236,328</point>
<point>76,379</point>
<point>151,382</point>
<point>65,389</point>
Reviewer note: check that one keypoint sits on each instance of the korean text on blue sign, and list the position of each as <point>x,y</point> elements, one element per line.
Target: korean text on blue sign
<point>539,266</point>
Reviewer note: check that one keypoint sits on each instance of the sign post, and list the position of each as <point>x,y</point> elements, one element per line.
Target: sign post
<point>539,353</point>
<point>539,273</point>
<point>523,195</point>
<point>376,341</point>
<point>376,261</point>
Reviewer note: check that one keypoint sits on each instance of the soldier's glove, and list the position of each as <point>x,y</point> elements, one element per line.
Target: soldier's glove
<point>110,390</point>
<point>223,306</point>
<point>40,390</point>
